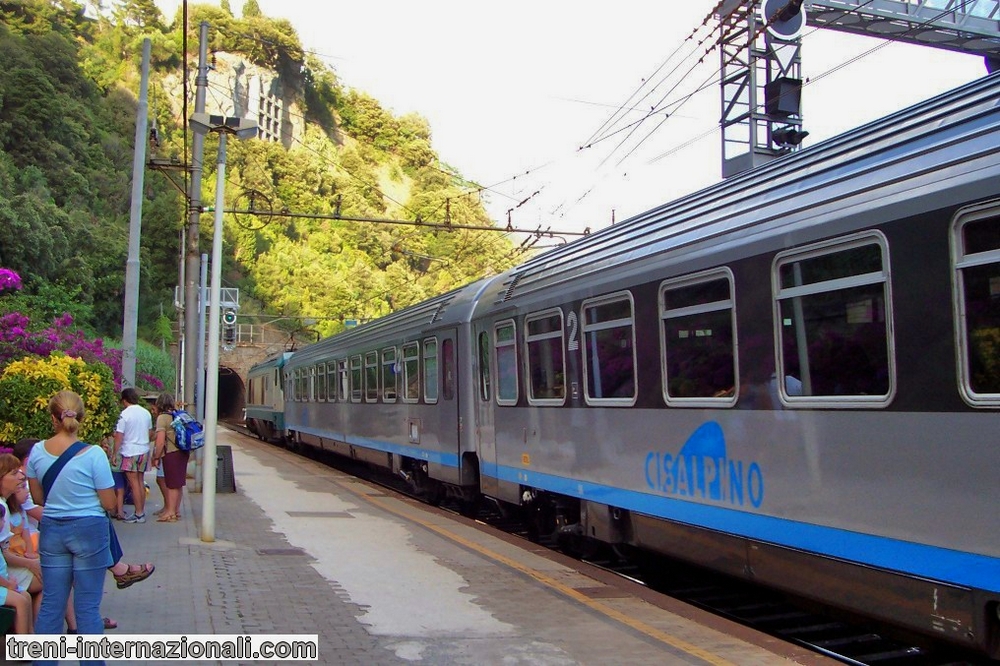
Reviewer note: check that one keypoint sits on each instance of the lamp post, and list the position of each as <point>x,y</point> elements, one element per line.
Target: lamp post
<point>203,123</point>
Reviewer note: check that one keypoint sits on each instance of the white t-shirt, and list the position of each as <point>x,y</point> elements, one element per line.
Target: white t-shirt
<point>5,531</point>
<point>32,524</point>
<point>134,424</point>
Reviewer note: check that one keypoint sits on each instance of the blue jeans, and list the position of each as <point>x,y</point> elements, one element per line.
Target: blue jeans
<point>75,554</point>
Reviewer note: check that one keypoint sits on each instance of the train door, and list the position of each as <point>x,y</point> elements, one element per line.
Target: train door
<point>485,429</point>
<point>441,351</point>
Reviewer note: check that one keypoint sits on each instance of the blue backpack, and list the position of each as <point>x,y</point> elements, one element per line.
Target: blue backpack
<point>188,433</point>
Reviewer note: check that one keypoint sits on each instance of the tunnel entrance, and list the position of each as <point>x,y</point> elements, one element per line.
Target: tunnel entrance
<point>232,395</point>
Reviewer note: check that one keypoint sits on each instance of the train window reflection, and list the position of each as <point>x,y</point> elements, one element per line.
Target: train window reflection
<point>976,243</point>
<point>698,340</point>
<point>506,354</point>
<point>833,323</point>
<point>543,339</point>
<point>609,350</point>
<point>411,372</point>
<point>430,370</point>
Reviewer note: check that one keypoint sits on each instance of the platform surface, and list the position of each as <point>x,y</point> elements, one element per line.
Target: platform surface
<point>302,548</point>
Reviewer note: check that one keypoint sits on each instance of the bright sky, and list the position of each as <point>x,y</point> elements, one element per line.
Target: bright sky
<point>511,87</point>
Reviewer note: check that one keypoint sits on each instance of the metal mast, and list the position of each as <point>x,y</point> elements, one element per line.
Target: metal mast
<point>761,82</point>
<point>761,58</point>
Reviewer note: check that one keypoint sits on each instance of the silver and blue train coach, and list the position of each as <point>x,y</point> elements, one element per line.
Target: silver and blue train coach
<point>792,376</point>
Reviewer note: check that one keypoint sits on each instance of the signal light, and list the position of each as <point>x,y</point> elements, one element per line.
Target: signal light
<point>787,137</point>
<point>229,329</point>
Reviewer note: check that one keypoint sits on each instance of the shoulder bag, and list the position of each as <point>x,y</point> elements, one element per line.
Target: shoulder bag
<point>50,477</point>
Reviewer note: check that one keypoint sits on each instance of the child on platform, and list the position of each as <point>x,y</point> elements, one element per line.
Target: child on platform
<point>13,584</point>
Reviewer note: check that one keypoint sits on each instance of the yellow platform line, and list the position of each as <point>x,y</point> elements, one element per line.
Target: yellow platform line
<point>563,589</point>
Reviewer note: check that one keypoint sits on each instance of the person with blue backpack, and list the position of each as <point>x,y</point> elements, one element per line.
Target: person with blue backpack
<point>172,452</point>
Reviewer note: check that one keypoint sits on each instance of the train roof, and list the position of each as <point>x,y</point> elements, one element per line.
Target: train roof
<point>896,165</point>
<point>441,311</point>
<point>275,361</point>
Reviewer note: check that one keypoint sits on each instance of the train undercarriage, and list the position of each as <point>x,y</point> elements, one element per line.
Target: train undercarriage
<point>960,616</point>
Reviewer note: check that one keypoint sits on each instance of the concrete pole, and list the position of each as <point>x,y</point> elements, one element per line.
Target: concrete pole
<point>212,364</point>
<point>193,257</point>
<point>198,459</point>
<point>179,304</point>
<point>131,318</point>
<point>202,308</point>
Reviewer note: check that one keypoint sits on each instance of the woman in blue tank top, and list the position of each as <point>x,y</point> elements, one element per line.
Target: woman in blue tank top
<point>74,542</point>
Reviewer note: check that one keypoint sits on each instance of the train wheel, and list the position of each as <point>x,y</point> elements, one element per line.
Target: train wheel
<point>541,519</point>
<point>469,507</point>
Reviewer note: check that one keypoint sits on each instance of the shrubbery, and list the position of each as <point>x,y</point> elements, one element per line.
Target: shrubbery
<point>37,363</point>
<point>27,384</point>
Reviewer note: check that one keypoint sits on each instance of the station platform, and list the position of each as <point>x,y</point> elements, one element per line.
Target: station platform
<point>301,548</point>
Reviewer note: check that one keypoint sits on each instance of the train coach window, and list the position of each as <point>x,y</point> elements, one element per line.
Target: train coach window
<point>331,381</point>
<point>697,339</point>
<point>321,382</point>
<point>543,338</point>
<point>833,323</point>
<point>484,366</point>
<point>430,370</point>
<point>389,374</point>
<point>448,369</point>
<point>356,379</point>
<point>411,372</point>
<point>609,350</point>
<point>371,377</point>
<point>343,381</point>
<point>976,252</point>
<point>506,355</point>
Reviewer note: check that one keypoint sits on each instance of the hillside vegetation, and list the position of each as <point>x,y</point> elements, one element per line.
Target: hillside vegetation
<point>68,93</point>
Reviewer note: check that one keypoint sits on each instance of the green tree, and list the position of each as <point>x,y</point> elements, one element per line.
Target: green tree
<point>251,9</point>
<point>139,14</point>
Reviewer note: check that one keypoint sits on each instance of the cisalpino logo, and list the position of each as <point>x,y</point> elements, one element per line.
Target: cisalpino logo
<point>702,469</point>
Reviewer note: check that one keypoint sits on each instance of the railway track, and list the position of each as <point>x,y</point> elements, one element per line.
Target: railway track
<point>847,639</point>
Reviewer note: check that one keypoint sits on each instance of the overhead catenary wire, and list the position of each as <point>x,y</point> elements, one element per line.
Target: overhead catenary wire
<point>712,82</point>
<point>216,89</point>
<point>670,103</point>
<point>612,120</point>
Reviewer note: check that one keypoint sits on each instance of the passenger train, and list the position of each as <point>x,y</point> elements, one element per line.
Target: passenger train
<point>265,400</point>
<point>792,376</point>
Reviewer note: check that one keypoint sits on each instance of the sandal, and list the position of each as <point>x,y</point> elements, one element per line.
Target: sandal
<point>167,518</point>
<point>119,516</point>
<point>110,624</point>
<point>135,574</point>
